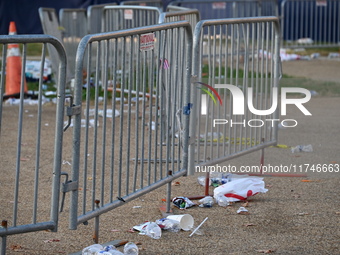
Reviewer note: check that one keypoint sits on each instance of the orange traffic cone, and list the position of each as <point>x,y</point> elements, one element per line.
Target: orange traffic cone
<point>13,68</point>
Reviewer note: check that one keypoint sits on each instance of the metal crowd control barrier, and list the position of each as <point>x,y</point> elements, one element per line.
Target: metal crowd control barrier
<point>192,15</point>
<point>73,23</point>
<point>125,17</point>
<point>135,138</point>
<point>50,25</point>
<point>174,8</point>
<point>230,8</point>
<point>242,54</point>
<point>154,3</point>
<point>95,17</point>
<point>30,171</point>
<point>310,23</point>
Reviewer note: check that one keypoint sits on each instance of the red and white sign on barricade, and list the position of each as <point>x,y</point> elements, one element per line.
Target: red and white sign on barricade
<point>147,42</point>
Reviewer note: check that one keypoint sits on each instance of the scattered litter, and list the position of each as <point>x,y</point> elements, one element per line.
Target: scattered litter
<point>207,201</point>
<point>182,202</point>
<point>139,99</point>
<point>218,178</point>
<point>16,247</point>
<point>337,213</point>
<point>176,184</point>
<point>242,211</point>
<point>16,101</point>
<point>241,188</point>
<point>109,113</point>
<point>169,224</point>
<point>265,251</point>
<point>281,146</point>
<point>153,125</point>
<point>249,224</point>
<point>65,162</point>
<point>46,124</point>
<point>130,248</point>
<point>107,250</point>
<point>186,221</point>
<point>222,200</point>
<point>152,230</point>
<point>51,241</point>
<point>303,214</point>
<point>196,229</point>
<point>83,123</point>
<point>115,230</point>
<point>245,204</point>
<point>313,93</point>
<point>302,148</point>
<point>334,55</point>
<point>305,41</point>
<point>136,207</point>
<point>315,55</point>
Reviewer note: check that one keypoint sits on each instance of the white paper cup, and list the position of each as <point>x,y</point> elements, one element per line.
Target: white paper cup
<point>186,221</point>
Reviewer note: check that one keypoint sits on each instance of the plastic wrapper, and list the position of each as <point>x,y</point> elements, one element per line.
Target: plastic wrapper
<point>221,200</point>
<point>168,224</point>
<point>207,201</point>
<point>182,202</point>
<point>150,229</point>
<point>240,189</point>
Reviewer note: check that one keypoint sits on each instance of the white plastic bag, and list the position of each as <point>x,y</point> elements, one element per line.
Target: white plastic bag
<point>240,189</point>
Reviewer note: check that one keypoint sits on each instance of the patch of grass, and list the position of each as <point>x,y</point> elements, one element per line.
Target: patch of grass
<point>33,49</point>
<point>322,88</point>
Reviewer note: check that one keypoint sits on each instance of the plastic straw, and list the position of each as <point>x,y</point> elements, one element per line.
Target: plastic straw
<point>193,232</point>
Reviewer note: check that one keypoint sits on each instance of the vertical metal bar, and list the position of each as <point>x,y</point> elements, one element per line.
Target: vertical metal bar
<point>231,80</point>
<point>150,88</point>
<point>3,238</point>
<point>105,62</point>
<point>58,140</point>
<point>86,142</point>
<point>168,194</point>
<point>253,72</point>
<point>20,124</point>
<point>3,245</point>
<point>95,132</point>
<point>37,162</point>
<point>96,224</point>
<point>161,99</point>
<point>2,80</point>
<point>138,67</point>
<point>212,83</point>
<point>143,82</point>
<point>245,76</point>
<point>130,86</point>
<point>226,73</point>
<point>113,53</point>
<point>121,126</point>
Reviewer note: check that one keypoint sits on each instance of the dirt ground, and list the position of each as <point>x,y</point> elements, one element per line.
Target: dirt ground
<point>295,216</point>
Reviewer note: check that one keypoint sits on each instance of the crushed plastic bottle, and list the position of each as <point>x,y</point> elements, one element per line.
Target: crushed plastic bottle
<point>109,250</point>
<point>168,224</point>
<point>153,230</point>
<point>222,200</point>
<point>92,249</point>
<point>302,148</point>
<point>207,201</point>
<point>130,248</point>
